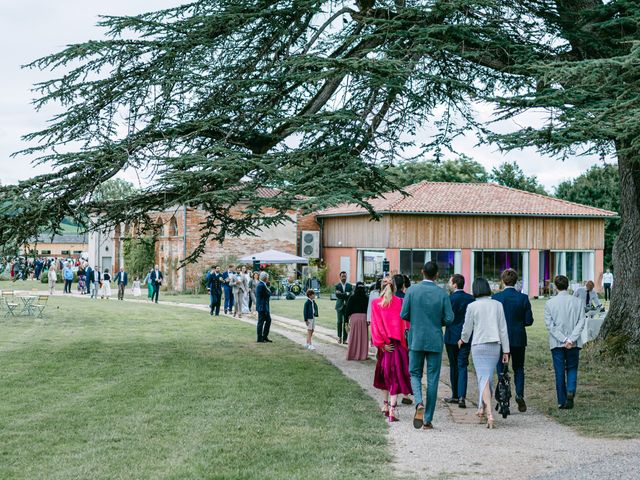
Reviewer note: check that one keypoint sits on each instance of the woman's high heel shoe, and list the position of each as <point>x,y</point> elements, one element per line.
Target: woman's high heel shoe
<point>385,409</point>
<point>392,414</point>
<point>490,424</point>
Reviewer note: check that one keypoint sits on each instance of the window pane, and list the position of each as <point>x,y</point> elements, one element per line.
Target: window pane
<point>478,263</point>
<point>446,265</point>
<point>417,262</point>
<point>405,262</point>
<point>580,276</point>
<point>489,265</point>
<point>570,264</point>
<point>372,265</point>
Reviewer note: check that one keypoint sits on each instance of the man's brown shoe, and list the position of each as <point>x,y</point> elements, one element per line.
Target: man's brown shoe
<point>418,418</point>
<point>427,426</point>
<point>522,407</point>
<point>406,401</point>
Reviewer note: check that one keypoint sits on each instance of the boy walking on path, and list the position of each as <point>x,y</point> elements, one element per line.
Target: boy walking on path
<point>310,314</point>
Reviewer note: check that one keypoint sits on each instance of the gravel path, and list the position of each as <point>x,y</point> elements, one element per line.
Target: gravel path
<point>528,445</point>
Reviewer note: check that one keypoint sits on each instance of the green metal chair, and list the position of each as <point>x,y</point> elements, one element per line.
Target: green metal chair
<point>40,305</point>
<point>9,301</point>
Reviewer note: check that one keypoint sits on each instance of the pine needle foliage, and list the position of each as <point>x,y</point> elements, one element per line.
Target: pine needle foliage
<point>214,99</point>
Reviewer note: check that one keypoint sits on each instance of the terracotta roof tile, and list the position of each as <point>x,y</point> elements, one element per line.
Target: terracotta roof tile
<point>439,198</point>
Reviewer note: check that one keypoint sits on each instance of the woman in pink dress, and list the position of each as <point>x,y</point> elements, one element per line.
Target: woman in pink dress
<point>388,334</point>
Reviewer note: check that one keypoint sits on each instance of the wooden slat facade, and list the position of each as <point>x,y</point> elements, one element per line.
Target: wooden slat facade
<point>475,232</point>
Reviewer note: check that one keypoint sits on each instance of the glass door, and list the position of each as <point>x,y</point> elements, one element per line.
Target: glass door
<point>370,265</point>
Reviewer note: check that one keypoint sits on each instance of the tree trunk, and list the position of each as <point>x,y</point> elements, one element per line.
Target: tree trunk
<point>621,330</point>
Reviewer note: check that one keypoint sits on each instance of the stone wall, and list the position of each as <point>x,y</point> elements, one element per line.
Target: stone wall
<point>170,246</point>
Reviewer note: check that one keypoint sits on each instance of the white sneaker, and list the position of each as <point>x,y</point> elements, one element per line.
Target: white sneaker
<point>306,346</point>
<point>311,347</point>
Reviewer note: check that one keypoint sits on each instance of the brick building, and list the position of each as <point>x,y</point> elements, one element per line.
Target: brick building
<point>179,235</point>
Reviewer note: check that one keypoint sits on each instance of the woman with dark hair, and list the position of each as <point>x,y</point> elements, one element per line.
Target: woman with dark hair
<point>356,315</point>
<point>486,321</point>
<point>388,334</point>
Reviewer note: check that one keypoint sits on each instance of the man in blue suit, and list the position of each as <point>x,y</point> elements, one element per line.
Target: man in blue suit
<point>214,284</point>
<point>517,311</point>
<point>228,293</point>
<point>458,356</point>
<point>87,273</point>
<point>427,308</point>
<point>262,307</point>
<point>122,278</point>
<point>156,279</point>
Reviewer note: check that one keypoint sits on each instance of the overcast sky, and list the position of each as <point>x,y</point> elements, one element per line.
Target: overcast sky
<point>30,29</point>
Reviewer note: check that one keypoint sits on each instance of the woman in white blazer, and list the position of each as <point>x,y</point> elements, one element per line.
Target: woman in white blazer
<point>486,322</point>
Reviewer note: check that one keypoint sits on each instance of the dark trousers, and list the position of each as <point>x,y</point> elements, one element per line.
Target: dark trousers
<point>517,363</point>
<point>156,292</point>
<point>228,298</point>
<point>607,291</point>
<point>214,303</point>
<point>67,286</point>
<point>121,287</point>
<point>565,365</point>
<point>458,369</point>
<point>341,324</point>
<point>264,324</point>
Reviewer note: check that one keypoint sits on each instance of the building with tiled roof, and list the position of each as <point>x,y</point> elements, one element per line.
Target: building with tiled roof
<point>477,229</point>
<point>67,245</point>
<point>471,199</point>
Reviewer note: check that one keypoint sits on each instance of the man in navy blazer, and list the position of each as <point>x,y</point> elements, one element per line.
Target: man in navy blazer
<point>517,311</point>
<point>458,356</point>
<point>122,278</point>
<point>214,284</point>
<point>156,278</point>
<point>262,307</point>
<point>228,291</point>
<point>87,273</point>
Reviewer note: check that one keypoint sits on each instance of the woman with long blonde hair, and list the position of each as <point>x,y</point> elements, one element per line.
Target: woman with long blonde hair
<point>388,334</point>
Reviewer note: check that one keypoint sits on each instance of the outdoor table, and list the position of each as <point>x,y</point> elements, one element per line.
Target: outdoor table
<point>593,322</point>
<point>27,301</point>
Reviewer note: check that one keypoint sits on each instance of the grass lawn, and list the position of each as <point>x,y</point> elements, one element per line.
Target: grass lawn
<point>110,390</point>
<point>286,308</point>
<point>607,402</point>
<point>26,285</point>
<point>608,396</point>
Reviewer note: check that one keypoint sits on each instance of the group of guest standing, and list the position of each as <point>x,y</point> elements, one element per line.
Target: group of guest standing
<point>239,286</point>
<point>408,333</point>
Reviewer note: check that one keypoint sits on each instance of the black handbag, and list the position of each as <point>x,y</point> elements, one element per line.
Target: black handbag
<point>503,392</point>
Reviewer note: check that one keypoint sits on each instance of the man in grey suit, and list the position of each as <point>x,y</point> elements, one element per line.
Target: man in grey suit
<point>588,296</point>
<point>565,319</point>
<point>427,308</point>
